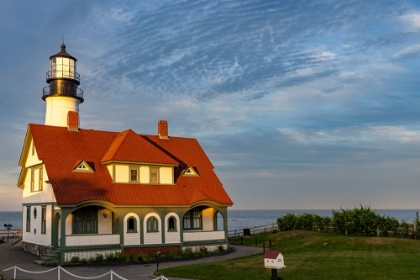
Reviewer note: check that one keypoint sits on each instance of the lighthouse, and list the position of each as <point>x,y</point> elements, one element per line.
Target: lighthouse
<point>62,94</point>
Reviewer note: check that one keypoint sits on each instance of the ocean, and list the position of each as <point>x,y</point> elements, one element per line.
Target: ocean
<point>240,219</point>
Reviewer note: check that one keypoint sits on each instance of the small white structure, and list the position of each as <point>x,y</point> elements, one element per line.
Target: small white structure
<point>273,260</point>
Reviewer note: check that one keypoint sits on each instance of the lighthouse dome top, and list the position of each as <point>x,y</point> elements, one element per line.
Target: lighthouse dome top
<point>63,53</point>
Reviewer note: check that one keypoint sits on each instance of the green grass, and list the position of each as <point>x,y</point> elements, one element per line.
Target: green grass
<point>306,257</point>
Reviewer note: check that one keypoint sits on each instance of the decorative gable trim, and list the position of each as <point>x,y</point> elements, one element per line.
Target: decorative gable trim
<point>190,171</point>
<point>84,166</point>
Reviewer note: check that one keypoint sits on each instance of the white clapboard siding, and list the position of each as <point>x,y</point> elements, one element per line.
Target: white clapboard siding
<point>44,196</point>
<point>111,170</point>
<point>152,237</point>
<point>32,160</point>
<point>144,174</point>
<point>104,221</point>
<point>121,173</point>
<point>166,175</point>
<point>208,218</point>
<point>172,236</point>
<point>35,236</point>
<point>131,238</point>
<point>203,235</point>
<point>91,240</point>
<point>90,254</point>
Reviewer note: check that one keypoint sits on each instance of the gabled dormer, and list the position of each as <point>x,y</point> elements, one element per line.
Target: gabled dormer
<point>131,158</point>
<point>190,171</point>
<point>84,166</point>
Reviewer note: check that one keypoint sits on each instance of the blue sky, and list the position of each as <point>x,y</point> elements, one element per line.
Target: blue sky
<point>299,104</point>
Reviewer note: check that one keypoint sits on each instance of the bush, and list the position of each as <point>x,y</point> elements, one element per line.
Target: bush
<point>121,257</point>
<point>220,249</point>
<point>306,221</point>
<point>203,251</point>
<point>287,222</point>
<point>99,258</point>
<point>188,252</point>
<point>75,259</point>
<point>110,258</point>
<point>173,253</point>
<point>363,221</point>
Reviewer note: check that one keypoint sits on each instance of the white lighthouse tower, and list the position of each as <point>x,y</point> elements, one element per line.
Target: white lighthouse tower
<point>62,95</point>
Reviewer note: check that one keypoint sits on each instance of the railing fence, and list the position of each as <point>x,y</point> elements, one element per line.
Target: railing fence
<point>253,230</point>
<point>59,269</point>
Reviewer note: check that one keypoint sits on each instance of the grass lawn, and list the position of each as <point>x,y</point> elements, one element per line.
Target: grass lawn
<point>316,255</point>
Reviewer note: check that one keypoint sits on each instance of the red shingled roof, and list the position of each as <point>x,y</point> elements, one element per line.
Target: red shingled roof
<point>129,146</point>
<point>61,150</point>
<point>271,254</point>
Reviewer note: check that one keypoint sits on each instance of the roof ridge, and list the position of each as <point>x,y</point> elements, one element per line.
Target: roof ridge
<point>116,144</point>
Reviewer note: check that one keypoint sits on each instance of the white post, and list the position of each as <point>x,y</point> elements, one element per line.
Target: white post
<point>112,272</point>
<point>59,268</point>
<point>14,272</point>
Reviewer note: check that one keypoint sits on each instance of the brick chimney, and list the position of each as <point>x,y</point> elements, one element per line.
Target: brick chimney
<point>73,121</point>
<point>163,129</point>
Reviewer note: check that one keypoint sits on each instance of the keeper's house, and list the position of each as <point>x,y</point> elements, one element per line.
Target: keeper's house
<point>88,192</point>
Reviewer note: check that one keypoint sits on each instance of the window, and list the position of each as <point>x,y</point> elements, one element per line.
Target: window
<point>192,219</point>
<point>131,225</point>
<point>134,175</point>
<point>28,218</point>
<point>44,220</point>
<point>171,224</point>
<point>152,224</point>
<point>40,179</point>
<point>32,180</point>
<point>33,148</point>
<point>85,220</point>
<point>154,175</point>
<point>35,213</point>
<point>36,179</point>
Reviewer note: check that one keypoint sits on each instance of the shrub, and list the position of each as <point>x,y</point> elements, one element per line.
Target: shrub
<point>135,258</point>
<point>91,260</point>
<point>203,251</point>
<point>75,259</point>
<point>188,252</point>
<point>142,256</point>
<point>363,221</point>
<point>121,257</point>
<point>306,221</point>
<point>220,248</point>
<point>173,253</point>
<point>287,222</point>
<point>110,258</point>
<point>99,258</point>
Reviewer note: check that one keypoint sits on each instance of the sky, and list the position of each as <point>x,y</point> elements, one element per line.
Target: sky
<point>298,104</point>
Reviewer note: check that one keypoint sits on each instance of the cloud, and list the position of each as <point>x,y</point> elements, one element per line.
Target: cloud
<point>412,20</point>
<point>408,52</point>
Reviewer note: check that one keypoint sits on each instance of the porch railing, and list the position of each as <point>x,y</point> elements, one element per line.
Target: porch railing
<point>204,235</point>
<point>91,240</point>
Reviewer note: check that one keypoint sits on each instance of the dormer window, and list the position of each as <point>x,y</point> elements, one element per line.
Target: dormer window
<point>154,175</point>
<point>190,171</point>
<point>134,174</point>
<point>84,166</point>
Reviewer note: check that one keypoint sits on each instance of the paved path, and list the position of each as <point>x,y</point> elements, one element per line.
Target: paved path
<point>14,255</point>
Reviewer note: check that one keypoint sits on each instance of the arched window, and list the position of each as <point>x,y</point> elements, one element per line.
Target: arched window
<point>152,224</point>
<point>131,224</point>
<point>85,220</point>
<point>218,221</point>
<point>171,224</point>
<point>192,219</point>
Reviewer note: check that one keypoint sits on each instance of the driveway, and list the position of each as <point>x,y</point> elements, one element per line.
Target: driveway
<point>11,255</point>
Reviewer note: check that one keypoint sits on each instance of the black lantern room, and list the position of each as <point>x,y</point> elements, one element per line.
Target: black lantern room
<point>62,77</point>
